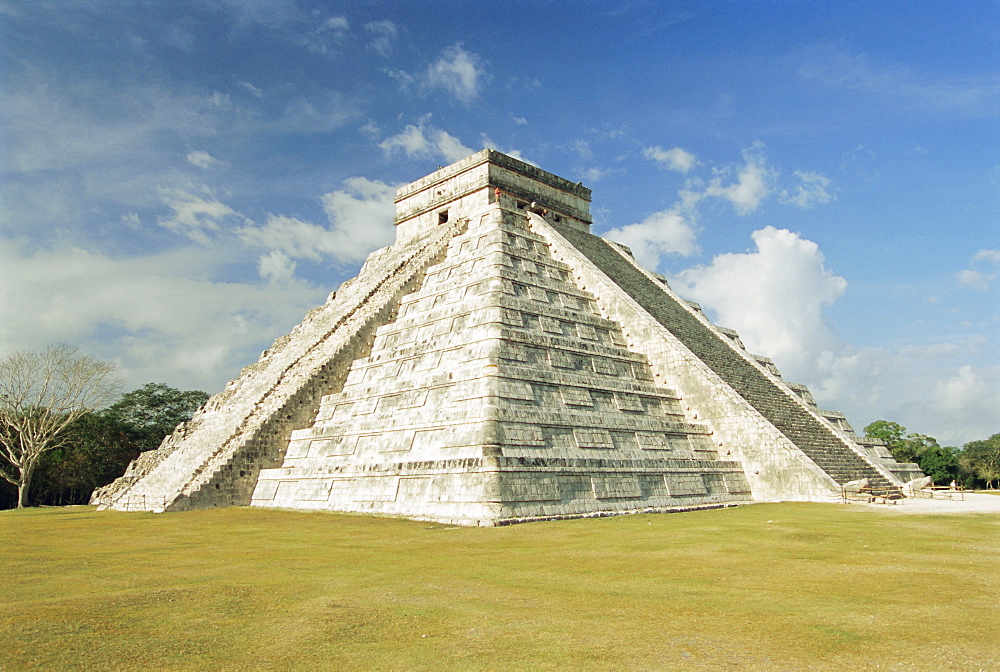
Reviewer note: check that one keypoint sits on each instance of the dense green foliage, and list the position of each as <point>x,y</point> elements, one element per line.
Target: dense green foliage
<point>977,464</point>
<point>97,447</point>
<point>982,459</point>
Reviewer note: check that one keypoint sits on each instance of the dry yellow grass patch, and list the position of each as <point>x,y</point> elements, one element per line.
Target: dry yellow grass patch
<point>768,586</point>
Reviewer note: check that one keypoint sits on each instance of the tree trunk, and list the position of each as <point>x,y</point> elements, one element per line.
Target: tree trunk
<point>22,487</point>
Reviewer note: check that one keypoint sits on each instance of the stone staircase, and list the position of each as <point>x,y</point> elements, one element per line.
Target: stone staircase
<point>214,459</point>
<point>823,446</point>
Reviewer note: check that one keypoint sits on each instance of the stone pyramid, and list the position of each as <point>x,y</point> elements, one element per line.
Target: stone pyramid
<point>498,364</point>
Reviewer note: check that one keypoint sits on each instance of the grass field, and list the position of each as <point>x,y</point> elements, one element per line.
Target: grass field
<point>762,587</point>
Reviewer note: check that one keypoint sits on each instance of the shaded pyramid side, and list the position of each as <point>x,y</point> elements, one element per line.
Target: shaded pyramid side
<point>213,459</point>
<point>499,394</point>
<point>788,450</point>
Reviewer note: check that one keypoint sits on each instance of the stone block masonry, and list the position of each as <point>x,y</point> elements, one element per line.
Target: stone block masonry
<point>214,459</point>
<point>500,364</point>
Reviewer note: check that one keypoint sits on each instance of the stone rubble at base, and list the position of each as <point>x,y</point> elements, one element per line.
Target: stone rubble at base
<point>501,364</point>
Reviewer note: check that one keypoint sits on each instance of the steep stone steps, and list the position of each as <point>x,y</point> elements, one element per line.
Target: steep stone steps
<point>817,441</point>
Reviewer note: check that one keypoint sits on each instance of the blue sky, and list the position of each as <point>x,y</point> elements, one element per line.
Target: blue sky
<point>182,181</point>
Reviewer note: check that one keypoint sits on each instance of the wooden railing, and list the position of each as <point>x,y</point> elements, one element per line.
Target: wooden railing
<point>872,495</point>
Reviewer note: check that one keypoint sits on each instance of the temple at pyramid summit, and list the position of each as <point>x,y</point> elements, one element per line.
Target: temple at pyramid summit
<point>499,363</point>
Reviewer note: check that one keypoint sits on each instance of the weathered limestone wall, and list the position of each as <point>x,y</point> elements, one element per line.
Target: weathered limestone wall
<point>498,394</point>
<point>500,364</point>
<point>468,186</point>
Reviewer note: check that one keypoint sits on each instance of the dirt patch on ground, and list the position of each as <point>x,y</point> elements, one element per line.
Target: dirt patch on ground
<point>966,503</point>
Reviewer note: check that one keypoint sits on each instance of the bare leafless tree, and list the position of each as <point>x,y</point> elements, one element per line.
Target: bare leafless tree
<point>41,394</point>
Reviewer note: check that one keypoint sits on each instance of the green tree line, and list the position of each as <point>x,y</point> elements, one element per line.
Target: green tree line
<point>95,448</point>
<point>975,465</point>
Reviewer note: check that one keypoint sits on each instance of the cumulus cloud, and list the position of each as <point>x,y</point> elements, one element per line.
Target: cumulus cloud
<point>361,215</point>
<point>974,279</point>
<point>753,182</point>
<point>425,141</point>
<point>966,402</point>
<point>992,256</point>
<point>774,296</point>
<point>668,232</point>
<point>675,159</point>
<point>928,389</point>
<point>814,189</point>
<point>276,268</point>
<point>458,72</point>
<point>361,221</point>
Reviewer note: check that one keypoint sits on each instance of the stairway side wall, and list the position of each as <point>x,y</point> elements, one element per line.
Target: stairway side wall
<point>214,459</point>
<point>825,444</point>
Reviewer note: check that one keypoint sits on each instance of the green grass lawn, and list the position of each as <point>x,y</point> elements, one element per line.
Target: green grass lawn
<point>768,586</point>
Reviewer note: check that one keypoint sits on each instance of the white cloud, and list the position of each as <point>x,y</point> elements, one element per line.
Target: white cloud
<point>926,389</point>
<point>675,159</point>
<point>974,279</point>
<point>162,317</point>
<point>202,160</point>
<point>970,396</point>
<point>582,148</point>
<point>293,238</point>
<point>980,280</point>
<point>813,190</point>
<point>774,296</point>
<point>254,91</point>
<point>425,141</point>
<point>276,268</point>
<point>306,116</point>
<point>336,23</point>
<point>325,37</point>
<point>752,185</point>
<point>50,125</point>
<point>362,216</point>
<point>594,174</point>
<point>674,231</point>
<point>457,72</point>
<point>194,214</point>
<point>384,34</point>
<point>488,143</point>
<point>668,232</point>
<point>361,222</point>
<point>992,256</point>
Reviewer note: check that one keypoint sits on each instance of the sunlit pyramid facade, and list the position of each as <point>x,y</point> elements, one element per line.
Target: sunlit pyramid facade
<point>497,364</point>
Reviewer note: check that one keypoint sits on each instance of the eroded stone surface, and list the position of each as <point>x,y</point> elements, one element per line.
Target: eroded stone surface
<point>499,364</point>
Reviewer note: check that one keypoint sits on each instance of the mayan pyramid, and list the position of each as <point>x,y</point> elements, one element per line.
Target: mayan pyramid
<point>499,363</point>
